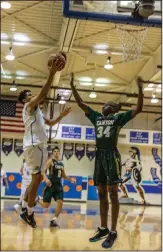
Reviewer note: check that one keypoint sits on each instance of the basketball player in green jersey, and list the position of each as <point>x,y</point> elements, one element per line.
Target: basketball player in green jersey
<point>54,188</point>
<point>107,173</point>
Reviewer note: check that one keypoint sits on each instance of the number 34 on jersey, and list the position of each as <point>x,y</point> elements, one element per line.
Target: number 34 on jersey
<point>103,131</point>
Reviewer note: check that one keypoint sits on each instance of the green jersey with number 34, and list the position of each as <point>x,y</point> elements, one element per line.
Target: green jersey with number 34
<point>55,171</point>
<point>107,128</point>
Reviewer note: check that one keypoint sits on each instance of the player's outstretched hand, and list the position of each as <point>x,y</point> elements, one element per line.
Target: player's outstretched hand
<point>48,182</point>
<point>73,180</point>
<point>66,111</point>
<point>140,82</point>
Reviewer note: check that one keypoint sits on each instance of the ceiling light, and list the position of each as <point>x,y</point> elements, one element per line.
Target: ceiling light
<point>102,52</point>
<point>21,37</point>
<point>148,89</point>
<point>6,76</point>
<point>18,43</point>
<point>154,100</point>
<point>151,85</point>
<point>92,95</point>
<point>101,46</point>
<point>102,80</point>
<point>85,79</point>
<point>85,83</point>
<point>5,42</point>
<point>116,53</point>
<point>154,95</point>
<point>5,5</point>
<point>108,65</point>
<point>62,101</point>
<point>158,90</point>
<point>100,85</point>
<point>20,72</point>
<point>65,92</point>
<point>20,77</point>
<point>4,35</point>
<point>125,3</point>
<point>13,88</point>
<point>10,55</point>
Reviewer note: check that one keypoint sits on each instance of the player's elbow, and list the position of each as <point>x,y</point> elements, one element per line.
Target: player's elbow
<point>48,122</point>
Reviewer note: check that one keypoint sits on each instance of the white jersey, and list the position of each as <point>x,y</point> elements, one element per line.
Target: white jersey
<point>26,173</point>
<point>35,132</point>
<point>3,176</point>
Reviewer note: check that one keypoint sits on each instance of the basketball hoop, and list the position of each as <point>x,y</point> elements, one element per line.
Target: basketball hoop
<point>132,41</point>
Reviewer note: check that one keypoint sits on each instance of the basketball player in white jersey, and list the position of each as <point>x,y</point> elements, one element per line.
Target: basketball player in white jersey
<point>26,180</point>
<point>35,139</point>
<point>3,180</point>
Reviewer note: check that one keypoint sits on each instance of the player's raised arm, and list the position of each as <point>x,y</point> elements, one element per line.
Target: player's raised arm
<point>52,122</point>
<point>139,106</point>
<point>77,97</point>
<point>57,65</point>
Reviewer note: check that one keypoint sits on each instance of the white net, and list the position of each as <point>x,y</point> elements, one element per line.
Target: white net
<point>132,41</point>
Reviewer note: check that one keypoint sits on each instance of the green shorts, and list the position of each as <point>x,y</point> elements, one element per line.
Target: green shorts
<point>107,167</point>
<point>55,192</point>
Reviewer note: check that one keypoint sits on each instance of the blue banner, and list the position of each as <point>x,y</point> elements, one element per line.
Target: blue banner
<point>157,138</point>
<point>7,145</point>
<point>91,151</point>
<point>71,132</point>
<point>139,137</point>
<point>18,146</point>
<point>90,134</point>
<point>79,151</point>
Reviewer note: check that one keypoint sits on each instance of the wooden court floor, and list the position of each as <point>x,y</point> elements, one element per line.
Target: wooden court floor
<point>139,228</point>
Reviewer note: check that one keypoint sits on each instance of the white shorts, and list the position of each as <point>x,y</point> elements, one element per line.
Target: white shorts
<point>36,158</point>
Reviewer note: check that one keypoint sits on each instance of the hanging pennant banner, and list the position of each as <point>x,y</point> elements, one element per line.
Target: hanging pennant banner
<point>91,151</point>
<point>79,151</point>
<point>7,144</point>
<point>68,150</point>
<point>18,146</point>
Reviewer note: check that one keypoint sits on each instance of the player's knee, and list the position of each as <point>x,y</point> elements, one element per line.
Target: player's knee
<point>102,192</point>
<point>46,205</point>
<point>60,202</point>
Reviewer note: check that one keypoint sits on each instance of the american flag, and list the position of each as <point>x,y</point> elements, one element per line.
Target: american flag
<point>11,116</point>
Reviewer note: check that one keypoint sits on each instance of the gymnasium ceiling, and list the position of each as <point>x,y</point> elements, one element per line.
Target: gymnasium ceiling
<point>36,29</point>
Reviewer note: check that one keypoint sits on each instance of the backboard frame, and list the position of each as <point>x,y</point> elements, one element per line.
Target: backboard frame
<point>114,18</point>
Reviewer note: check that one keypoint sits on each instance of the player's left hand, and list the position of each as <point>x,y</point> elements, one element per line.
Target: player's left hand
<point>48,182</point>
<point>140,82</point>
<point>66,111</point>
<point>73,180</point>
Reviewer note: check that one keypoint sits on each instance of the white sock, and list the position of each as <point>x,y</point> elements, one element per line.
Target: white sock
<point>102,228</point>
<point>55,218</point>
<point>24,204</point>
<point>30,210</point>
<point>113,231</point>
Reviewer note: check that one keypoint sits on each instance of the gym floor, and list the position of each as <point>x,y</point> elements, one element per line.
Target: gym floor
<point>139,228</point>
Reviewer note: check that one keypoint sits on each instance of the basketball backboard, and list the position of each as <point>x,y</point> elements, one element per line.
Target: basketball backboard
<point>111,11</point>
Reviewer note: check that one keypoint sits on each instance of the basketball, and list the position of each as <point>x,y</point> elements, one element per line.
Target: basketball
<point>53,57</point>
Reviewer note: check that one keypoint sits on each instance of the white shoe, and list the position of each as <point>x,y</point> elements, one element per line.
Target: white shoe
<point>17,208</point>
